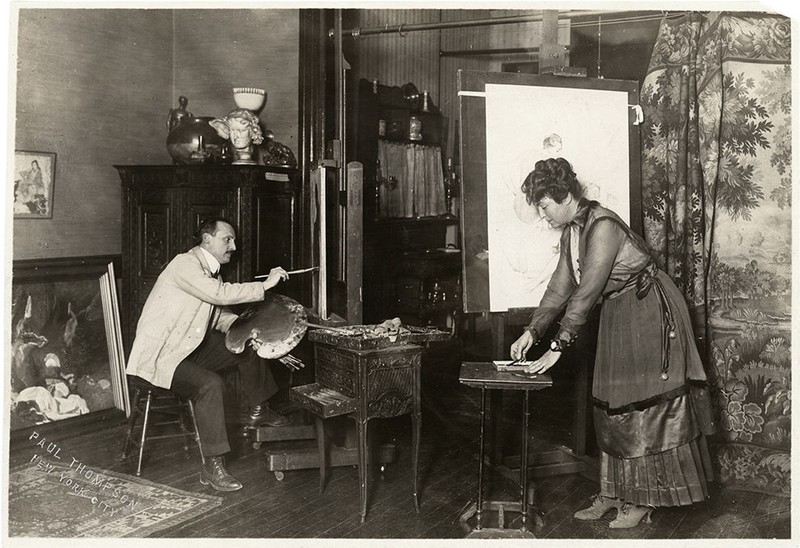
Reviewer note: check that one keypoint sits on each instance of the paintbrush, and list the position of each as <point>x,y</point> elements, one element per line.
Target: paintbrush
<point>290,272</point>
<point>344,330</point>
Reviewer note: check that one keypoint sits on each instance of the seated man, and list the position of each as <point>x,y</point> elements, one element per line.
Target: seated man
<point>180,343</point>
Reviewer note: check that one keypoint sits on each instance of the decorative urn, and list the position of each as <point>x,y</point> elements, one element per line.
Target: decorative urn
<point>194,141</point>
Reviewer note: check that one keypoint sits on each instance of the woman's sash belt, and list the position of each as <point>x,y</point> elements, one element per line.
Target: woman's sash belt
<point>645,281</point>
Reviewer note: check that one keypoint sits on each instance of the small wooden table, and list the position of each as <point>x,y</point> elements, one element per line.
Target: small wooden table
<point>485,376</point>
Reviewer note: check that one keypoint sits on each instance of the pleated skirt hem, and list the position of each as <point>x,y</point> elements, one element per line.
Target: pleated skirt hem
<point>676,477</point>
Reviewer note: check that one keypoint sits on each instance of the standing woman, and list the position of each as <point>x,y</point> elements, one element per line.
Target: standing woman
<point>650,400</point>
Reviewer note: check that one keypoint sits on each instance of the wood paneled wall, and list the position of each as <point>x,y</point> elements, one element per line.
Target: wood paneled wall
<point>395,60</point>
<point>93,86</point>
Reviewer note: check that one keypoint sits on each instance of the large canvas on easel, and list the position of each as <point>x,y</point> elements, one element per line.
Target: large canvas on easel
<point>510,122</point>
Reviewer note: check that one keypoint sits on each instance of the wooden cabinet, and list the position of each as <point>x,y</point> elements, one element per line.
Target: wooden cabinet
<point>162,207</point>
<point>404,261</point>
<point>405,255</point>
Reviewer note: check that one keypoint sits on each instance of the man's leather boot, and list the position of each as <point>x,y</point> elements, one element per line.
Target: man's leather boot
<point>213,472</point>
<point>262,415</point>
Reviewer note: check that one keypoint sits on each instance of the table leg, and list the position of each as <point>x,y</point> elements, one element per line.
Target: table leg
<point>416,423</point>
<point>323,468</point>
<point>495,434</point>
<point>499,350</point>
<point>523,468</point>
<point>479,511</point>
<point>581,406</point>
<point>363,471</point>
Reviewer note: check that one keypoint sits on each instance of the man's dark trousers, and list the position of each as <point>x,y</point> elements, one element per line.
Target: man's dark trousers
<point>196,379</point>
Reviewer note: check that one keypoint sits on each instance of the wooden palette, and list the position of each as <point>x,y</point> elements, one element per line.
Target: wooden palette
<point>276,324</point>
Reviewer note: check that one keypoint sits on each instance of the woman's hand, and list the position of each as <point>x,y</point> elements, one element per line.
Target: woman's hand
<point>544,363</point>
<point>521,346</point>
<point>276,275</point>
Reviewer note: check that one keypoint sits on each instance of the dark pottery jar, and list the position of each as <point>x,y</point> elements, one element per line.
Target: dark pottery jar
<point>194,141</point>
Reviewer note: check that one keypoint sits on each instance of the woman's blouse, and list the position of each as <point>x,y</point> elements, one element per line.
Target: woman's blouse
<point>610,255</point>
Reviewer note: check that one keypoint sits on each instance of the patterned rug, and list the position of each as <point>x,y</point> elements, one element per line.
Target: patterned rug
<point>52,499</point>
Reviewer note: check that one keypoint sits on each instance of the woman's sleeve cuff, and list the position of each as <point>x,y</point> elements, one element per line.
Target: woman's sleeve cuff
<point>533,332</point>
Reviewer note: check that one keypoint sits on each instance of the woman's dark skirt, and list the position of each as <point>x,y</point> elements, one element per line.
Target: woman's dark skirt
<point>651,467</point>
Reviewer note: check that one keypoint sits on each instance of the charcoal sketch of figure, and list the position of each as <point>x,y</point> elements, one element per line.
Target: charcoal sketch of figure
<point>531,270</point>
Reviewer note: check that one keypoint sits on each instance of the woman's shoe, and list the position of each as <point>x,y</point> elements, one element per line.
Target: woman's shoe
<point>631,515</point>
<point>600,505</point>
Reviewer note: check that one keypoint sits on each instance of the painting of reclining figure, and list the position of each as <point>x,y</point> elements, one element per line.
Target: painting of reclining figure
<point>61,363</point>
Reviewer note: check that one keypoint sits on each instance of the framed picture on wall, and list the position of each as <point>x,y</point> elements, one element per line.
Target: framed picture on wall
<point>34,178</point>
<point>66,355</point>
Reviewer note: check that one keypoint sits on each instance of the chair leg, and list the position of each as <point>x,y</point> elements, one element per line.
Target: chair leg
<point>196,431</point>
<point>182,424</point>
<point>323,468</point>
<point>147,403</point>
<point>131,423</point>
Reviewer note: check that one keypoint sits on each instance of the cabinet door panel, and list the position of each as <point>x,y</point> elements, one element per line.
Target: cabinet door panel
<point>155,228</point>
<point>389,382</point>
<point>202,204</point>
<point>152,248</point>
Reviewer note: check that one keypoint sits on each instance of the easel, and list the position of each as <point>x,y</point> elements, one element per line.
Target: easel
<point>340,274</point>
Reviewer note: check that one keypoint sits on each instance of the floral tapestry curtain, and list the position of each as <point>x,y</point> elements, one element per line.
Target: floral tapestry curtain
<point>717,208</point>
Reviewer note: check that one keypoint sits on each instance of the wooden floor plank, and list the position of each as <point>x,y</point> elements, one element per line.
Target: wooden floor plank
<point>772,519</point>
<point>557,504</point>
<point>388,518</point>
<point>393,496</point>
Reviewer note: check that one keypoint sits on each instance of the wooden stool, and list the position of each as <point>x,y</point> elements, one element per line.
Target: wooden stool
<point>147,399</point>
<point>323,403</point>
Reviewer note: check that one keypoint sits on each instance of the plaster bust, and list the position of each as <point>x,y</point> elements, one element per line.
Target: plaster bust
<point>241,128</point>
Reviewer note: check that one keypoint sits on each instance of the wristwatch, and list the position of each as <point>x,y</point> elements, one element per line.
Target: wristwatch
<point>557,345</point>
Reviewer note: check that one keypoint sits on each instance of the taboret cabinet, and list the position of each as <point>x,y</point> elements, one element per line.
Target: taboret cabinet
<point>162,207</point>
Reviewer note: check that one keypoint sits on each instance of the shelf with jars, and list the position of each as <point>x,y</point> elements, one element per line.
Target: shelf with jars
<point>408,206</point>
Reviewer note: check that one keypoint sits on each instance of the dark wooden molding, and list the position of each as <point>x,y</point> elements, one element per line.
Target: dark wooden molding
<point>62,268</point>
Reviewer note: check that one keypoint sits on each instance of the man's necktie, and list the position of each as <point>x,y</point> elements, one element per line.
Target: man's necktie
<point>214,309</point>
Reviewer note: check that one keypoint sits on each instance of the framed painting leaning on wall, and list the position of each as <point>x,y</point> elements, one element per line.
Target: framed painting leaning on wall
<point>66,346</point>
<point>34,178</point>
